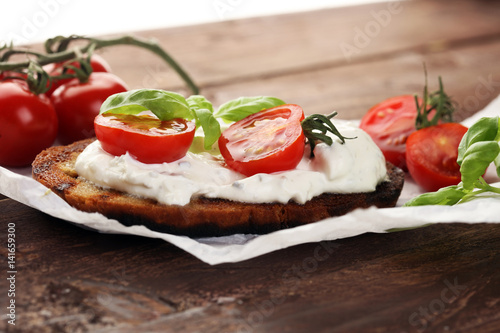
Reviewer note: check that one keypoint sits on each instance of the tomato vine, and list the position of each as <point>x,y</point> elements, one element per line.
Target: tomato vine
<point>58,49</point>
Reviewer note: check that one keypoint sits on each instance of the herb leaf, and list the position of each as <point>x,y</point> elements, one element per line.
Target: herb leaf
<point>485,129</point>
<point>477,149</point>
<point>475,161</point>
<point>315,128</point>
<point>242,107</point>
<point>438,101</point>
<point>203,111</point>
<point>445,196</point>
<point>165,105</point>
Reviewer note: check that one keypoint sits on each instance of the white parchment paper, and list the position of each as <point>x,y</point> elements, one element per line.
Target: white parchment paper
<point>18,185</point>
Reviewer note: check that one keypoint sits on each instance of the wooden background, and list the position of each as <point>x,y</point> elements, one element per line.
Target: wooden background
<point>443,278</point>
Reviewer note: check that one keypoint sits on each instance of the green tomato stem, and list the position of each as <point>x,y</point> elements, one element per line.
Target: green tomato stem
<point>482,187</point>
<point>63,54</point>
<point>492,189</point>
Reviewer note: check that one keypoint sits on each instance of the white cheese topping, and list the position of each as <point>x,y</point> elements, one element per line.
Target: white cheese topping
<point>355,166</point>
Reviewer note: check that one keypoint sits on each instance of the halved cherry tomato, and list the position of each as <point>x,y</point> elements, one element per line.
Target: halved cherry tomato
<point>144,136</point>
<point>389,123</point>
<point>431,155</point>
<point>265,142</point>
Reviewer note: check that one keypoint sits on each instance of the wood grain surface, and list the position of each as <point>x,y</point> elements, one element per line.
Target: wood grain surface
<point>441,278</point>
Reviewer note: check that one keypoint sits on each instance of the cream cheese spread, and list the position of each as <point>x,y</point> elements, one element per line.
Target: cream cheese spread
<point>358,165</point>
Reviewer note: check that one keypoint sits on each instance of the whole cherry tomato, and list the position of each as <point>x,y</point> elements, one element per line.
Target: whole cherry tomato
<point>28,124</point>
<point>431,155</point>
<point>97,63</point>
<point>268,141</point>
<point>144,136</point>
<point>77,104</point>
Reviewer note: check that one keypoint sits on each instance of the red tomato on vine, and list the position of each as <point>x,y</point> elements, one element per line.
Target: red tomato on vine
<point>97,63</point>
<point>28,124</point>
<point>78,103</point>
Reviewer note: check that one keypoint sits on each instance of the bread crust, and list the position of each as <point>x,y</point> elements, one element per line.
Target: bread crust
<point>202,217</point>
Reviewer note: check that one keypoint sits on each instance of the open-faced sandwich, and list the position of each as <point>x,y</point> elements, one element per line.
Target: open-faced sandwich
<point>254,166</point>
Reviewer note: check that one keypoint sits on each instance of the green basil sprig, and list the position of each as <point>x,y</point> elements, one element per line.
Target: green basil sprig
<point>204,112</point>
<point>242,107</point>
<point>477,150</point>
<point>167,105</point>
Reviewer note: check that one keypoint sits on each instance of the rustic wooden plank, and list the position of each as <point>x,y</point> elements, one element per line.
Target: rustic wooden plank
<point>308,67</point>
<point>371,282</point>
<point>237,51</point>
<point>467,72</point>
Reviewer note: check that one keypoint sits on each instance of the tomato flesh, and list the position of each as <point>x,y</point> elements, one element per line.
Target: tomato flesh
<point>431,155</point>
<point>389,123</point>
<point>265,142</point>
<point>144,136</point>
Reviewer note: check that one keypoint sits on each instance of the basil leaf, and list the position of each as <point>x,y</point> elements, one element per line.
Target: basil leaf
<point>203,111</point>
<point>476,159</point>
<point>199,102</point>
<point>485,129</point>
<point>445,196</point>
<point>244,106</point>
<point>210,125</point>
<point>165,105</point>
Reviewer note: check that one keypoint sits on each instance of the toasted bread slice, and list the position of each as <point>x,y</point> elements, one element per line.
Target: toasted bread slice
<point>202,217</point>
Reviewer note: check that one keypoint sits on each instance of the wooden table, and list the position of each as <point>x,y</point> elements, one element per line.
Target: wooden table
<point>442,278</point>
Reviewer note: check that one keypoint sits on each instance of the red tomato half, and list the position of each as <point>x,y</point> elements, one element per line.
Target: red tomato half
<point>264,142</point>
<point>97,63</point>
<point>144,136</point>
<point>28,124</point>
<point>431,155</point>
<point>77,104</point>
<point>389,123</point>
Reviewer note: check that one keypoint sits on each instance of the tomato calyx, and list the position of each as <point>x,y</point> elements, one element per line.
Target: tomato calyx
<point>315,128</point>
<point>35,77</point>
<point>438,102</point>
<point>79,67</point>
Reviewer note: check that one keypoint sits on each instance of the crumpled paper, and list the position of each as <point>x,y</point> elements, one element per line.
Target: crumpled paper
<point>18,185</point>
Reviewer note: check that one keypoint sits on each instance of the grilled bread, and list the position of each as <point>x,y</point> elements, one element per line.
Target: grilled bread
<point>202,217</point>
